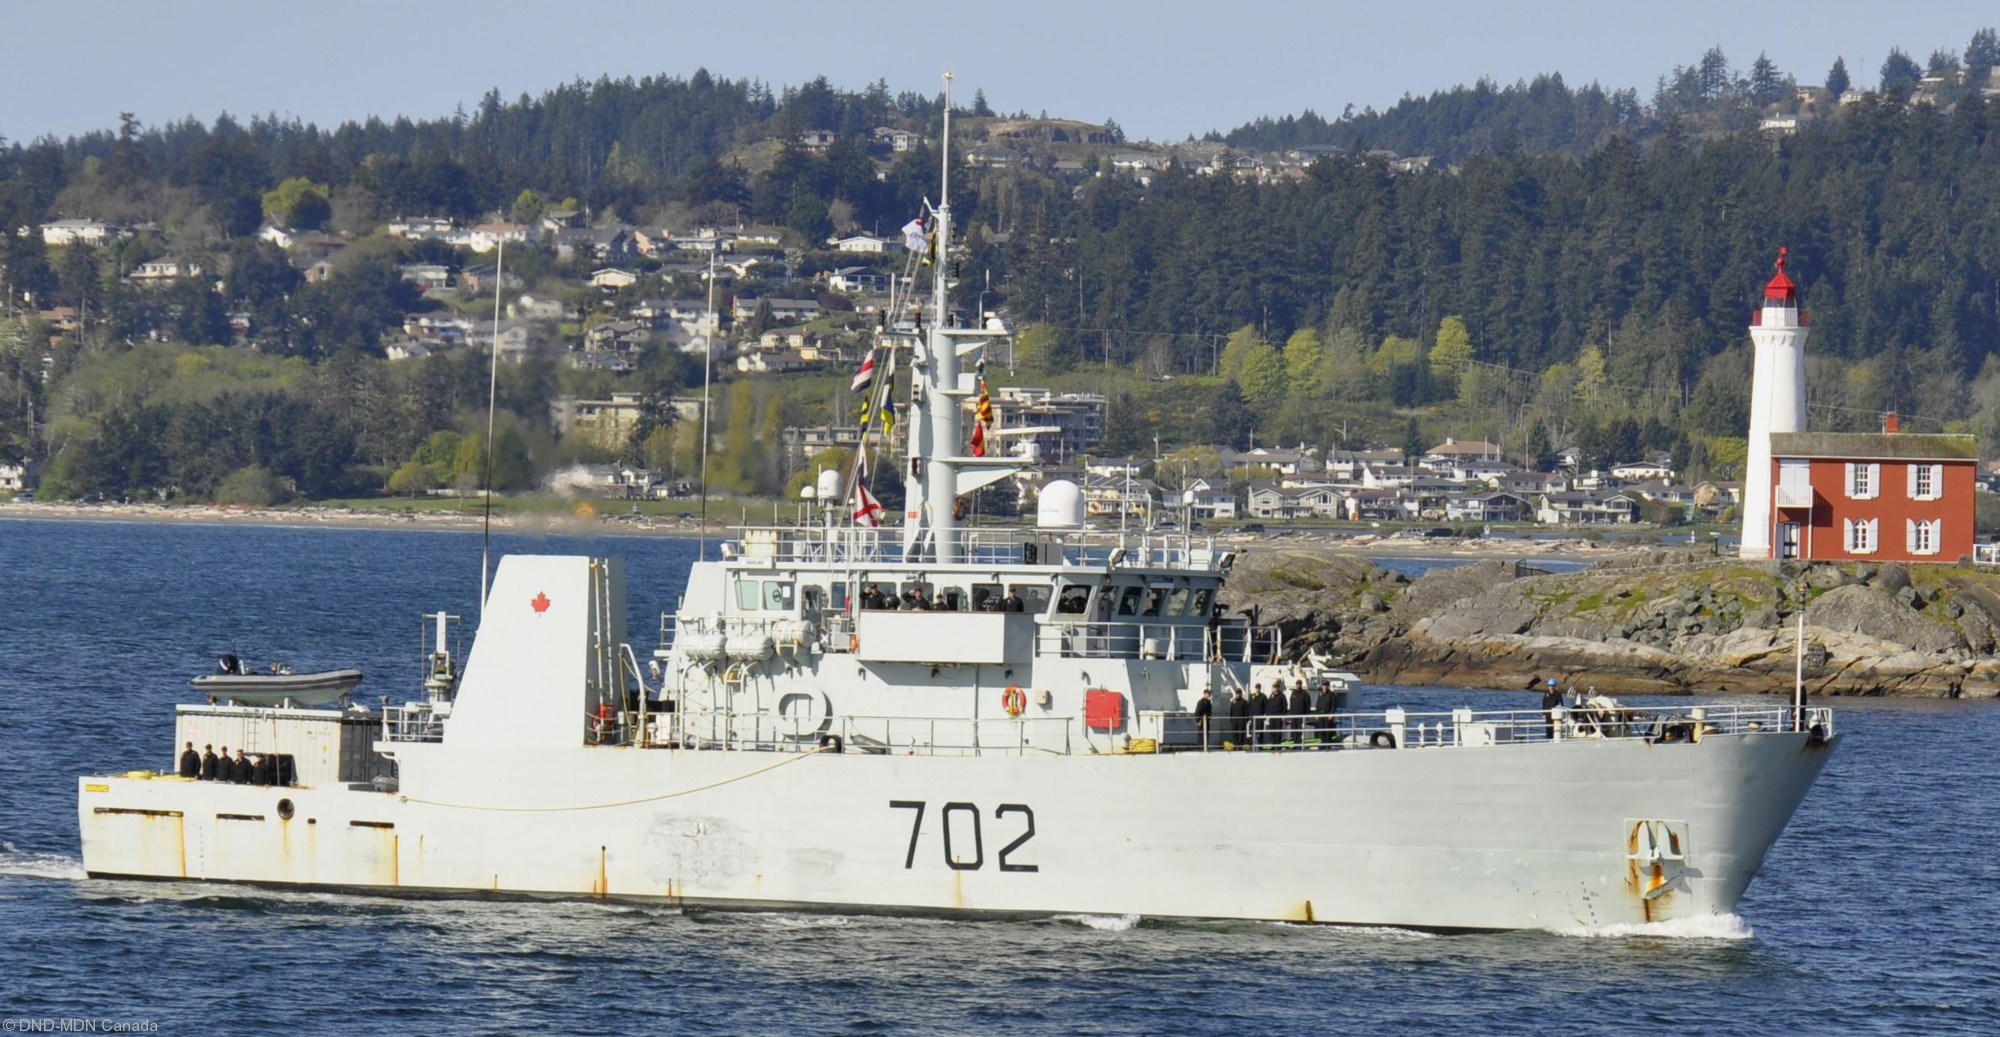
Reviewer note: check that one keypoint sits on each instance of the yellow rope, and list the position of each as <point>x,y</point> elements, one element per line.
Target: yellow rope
<point>622,803</point>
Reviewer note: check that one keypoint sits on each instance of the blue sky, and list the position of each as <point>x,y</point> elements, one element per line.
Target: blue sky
<point>1163,68</point>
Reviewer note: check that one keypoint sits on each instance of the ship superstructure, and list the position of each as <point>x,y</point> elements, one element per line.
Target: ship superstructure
<point>925,716</point>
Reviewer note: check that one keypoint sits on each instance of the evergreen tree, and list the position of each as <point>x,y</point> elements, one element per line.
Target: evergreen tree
<point>1837,82</point>
<point>1900,74</point>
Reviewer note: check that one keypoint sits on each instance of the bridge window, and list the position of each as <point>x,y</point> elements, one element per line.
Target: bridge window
<point>986,597</point>
<point>749,595</point>
<point>1128,601</point>
<point>1073,600</point>
<point>1178,603</point>
<point>777,596</point>
<point>1034,596</point>
<point>1202,597</point>
<point>1156,599</point>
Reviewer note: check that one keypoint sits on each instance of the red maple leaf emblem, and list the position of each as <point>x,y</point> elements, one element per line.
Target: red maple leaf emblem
<point>541,602</point>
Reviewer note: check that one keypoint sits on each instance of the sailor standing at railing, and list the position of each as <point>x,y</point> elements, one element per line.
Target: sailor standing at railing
<point>1239,718</point>
<point>1204,713</point>
<point>1301,705</point>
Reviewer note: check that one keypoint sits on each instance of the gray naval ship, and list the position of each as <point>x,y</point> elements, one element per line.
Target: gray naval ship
<point>1033,742</point>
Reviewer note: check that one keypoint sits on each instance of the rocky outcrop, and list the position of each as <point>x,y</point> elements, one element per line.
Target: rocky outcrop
<point>1655,622</point>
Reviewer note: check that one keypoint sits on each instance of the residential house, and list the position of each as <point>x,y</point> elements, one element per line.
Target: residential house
<point>427,276</point>
<point>1453,451</point>
<point>618,336</point>
<point>1267,499</point>
<point>154,271</point>
<point>1579,508</point>
<point>613,278</point>
<point>603,244</point>
<point>1347,466</point>
<point>13,476</point>
<point>537,306</point>
<point>1388,477</point>
<point>1661,467</point>
<point>587,360</point>
<point>1375,504</point>
<point>1890,496</point>
<point>898,141</point>
<point>791,311</point>
<point>421,227</point>
<point>863,243</point>
<point>488,236</point>
<point>771,362</point>
<point>81,232</point>
<point>404,349</point>
<point>1210,500</point>
<point>818,141</point>
<point>293,240</point>
<point>1493,506</point>
<point>783,338</point>
<point>1280,461</point>
<point>856,279</point>
<point>483,279</point>
<point>993,156</point>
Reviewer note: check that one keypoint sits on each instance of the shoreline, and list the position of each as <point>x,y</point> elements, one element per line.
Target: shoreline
<point>1364,545</point>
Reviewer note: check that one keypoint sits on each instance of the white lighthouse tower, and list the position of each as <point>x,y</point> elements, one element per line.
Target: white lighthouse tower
<point>1777,399</point>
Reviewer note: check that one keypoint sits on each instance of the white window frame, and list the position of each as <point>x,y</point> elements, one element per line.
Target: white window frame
<point>1920,474</point>
<point>1864,480</point>
<point>1925,536</point>
<point>1860,536</point>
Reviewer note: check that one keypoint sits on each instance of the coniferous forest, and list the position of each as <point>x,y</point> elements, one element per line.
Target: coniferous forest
<point>1573,268</point>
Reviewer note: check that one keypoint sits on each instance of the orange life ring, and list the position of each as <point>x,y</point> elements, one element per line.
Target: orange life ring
<point>853,642</point>
<point>1014,701</point>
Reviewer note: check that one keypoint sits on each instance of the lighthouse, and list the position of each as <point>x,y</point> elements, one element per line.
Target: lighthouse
<point>1777,399</point>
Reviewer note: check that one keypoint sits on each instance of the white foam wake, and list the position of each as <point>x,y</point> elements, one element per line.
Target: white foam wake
<point>1700,927</point>
<point>1104,923</point>
<point>13,861</point>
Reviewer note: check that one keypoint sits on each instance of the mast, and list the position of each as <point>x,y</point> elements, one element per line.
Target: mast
<point>941,375</point>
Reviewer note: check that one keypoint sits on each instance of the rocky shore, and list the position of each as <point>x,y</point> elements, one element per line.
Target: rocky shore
<point>1645,622</point>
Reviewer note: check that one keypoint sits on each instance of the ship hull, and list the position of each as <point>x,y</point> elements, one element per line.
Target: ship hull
<point>1493,837</point>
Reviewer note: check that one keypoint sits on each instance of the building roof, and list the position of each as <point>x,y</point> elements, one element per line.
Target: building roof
<point>1781,289</point>
<point>1875,446</point>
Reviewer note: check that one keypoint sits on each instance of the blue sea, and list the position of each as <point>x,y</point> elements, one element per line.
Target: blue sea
<point>1875,914</point>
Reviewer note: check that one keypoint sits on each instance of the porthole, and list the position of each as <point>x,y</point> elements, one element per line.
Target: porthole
<point>285,809</point>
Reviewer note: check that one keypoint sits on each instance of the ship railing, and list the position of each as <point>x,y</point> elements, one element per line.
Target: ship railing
<point>1401,729</point>
<point>767,731</point>
<point>412,722</point>
<point>978,546</point>
<point>1230,641</point>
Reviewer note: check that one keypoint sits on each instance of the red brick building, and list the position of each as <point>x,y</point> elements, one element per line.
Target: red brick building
<point>1890,496</point>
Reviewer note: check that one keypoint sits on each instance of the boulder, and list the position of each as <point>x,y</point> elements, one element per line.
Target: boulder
<point>1856,609</point>
<point>1891,578</point>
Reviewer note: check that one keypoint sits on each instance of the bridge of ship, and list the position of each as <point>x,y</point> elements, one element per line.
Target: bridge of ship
<point>1084,595</point>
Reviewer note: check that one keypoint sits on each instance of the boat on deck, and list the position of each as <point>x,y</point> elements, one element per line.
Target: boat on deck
<point>278,686</point>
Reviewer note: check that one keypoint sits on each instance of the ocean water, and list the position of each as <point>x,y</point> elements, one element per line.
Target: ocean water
<point>1875,914</point>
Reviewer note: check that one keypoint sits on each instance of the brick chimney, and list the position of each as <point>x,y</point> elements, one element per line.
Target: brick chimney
<point>1891,423</point>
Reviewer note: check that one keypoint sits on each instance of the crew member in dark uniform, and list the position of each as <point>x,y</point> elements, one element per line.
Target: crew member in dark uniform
<point>1301,705</point>
<point>1204,713</point>
<point>208,762</point>
<point>190,762</point>
<point>1281,704</point>
<point>1014,602</point>
<point>1239,718</point>
<point>1326,707</point>
<point>1551,699</point>
<point>222,763</point>
<point>239,769</point>
<point>1260,707</point>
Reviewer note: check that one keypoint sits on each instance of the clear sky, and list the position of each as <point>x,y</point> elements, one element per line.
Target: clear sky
<point>1163,68</point>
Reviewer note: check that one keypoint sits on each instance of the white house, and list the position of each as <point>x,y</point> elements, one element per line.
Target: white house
<point>85,232</point>
<point>13,476</point>
<point>427,276</point>
<point>487,236</point>
<point>861,243</point>
<point>537,306</point>
<point>166,270</point>
<point>612,277</point>
<point>1211,500</point>
<point>857,279</point>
